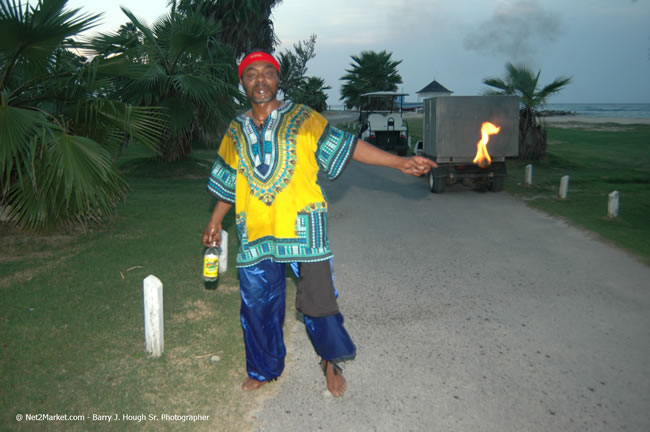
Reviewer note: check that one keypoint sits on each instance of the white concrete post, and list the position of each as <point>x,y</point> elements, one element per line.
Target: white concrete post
<point>223,256</point>
<point>612,205</point>
<point>529,174</point>
<point>564,187</point>
<point>154,335</point>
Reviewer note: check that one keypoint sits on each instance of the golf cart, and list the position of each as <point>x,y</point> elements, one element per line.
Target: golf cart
<point>381,121</point>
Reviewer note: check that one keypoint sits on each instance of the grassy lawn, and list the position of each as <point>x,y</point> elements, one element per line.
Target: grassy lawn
<point>598,160</point>
<point>72,314</point>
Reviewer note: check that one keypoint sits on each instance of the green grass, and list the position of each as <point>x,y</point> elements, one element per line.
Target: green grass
<point>598,161</point>
<point>415,128</point>
<point>72,332</point>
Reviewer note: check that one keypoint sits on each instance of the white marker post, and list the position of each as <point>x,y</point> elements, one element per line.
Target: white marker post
<point>154,334</point>
<point>612,205</point>
<point>529,174</point>
<point>564,187</point>
<point>223,256</point>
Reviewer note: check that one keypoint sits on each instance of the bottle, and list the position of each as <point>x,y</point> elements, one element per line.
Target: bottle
<point>211,263</point>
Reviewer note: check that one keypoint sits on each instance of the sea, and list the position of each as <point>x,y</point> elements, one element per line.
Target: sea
<point>614,110</point>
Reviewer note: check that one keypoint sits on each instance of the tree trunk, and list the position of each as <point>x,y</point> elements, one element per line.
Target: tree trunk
<point>176,148</point>
<point>532,136</point>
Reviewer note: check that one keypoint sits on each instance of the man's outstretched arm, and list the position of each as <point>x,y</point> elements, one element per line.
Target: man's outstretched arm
<point>369,154</point>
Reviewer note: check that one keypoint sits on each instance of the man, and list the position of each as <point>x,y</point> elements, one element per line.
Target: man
<point>267,166</point>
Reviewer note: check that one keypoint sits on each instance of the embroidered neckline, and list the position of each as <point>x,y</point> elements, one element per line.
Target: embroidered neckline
<point>262,125</point>
<point>269,158</point>
<point>262,146</point>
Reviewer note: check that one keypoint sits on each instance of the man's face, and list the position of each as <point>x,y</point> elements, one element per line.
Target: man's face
<point>260,80</point>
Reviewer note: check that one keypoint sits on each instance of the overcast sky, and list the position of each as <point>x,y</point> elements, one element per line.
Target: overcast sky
<point>603,44</point>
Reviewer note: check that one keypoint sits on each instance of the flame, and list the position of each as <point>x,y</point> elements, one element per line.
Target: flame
<point>482,157</point>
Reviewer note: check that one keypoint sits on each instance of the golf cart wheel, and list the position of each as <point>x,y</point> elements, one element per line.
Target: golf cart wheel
<point>496,184</point>
<point>436,184</point>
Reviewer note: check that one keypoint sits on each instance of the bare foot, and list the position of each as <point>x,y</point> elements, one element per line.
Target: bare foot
<point>251,384</point>
<point>336,383</point>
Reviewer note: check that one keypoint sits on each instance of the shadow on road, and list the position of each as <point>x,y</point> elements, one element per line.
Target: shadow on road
<point>378,179</point>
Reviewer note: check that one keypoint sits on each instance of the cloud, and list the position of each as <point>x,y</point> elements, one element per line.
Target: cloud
<point>408,18</point>
<point>371,24</point>
<point>515,30</point>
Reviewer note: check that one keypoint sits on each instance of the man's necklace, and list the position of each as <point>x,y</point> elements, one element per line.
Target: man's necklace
<point>259,126</point>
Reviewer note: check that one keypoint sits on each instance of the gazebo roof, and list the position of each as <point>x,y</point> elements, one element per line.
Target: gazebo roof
<point>384,94</point>
<point>434,87</point>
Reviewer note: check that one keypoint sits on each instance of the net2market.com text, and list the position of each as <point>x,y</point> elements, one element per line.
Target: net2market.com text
<point>108,418</point>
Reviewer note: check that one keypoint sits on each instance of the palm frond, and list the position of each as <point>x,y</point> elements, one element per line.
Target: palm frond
<point>146,31</point>
<point>503,87</point>
<point>35,32</point>
<point>523,81</point>
<point>144,125</point>
<point>18,127</point>
<point>196,88</point>
<point>553,88</point>
<point>190,33</point>
<point>181,114</point>
<point>72,179</point>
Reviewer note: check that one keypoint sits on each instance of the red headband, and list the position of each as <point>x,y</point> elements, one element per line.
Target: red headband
<point>255,57</point>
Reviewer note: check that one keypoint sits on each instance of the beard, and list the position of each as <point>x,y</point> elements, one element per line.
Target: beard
<point>261,93</point>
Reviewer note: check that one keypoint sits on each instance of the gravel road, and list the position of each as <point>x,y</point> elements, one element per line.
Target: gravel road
<point>471,312</point>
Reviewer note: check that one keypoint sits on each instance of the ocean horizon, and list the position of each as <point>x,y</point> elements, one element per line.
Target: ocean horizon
<point>614,110</point>
<point>603,110</point>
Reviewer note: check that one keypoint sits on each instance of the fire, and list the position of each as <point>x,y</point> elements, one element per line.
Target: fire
<point>482,157</point>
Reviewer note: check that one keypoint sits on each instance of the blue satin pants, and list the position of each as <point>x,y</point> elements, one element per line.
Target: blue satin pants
<point>263,290</point>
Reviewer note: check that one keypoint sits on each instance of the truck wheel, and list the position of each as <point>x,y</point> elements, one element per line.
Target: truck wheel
<point>496,183</point>
<point>436,184</point>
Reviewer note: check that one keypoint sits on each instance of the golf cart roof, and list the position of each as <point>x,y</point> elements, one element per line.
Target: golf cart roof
<point>384,94</point>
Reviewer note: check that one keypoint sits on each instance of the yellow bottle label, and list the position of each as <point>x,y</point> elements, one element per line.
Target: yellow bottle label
<point>210,266</point>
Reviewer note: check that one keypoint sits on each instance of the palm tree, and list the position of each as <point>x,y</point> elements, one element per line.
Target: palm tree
<point>520,80</point>
<point>188,72</point>
<point>245,24</point>
<point>291,77</point>
<point>293,64</point>
<point>58,131</point>
<point>311,92</point>
<point>294,83</point>
<point>370,71</point>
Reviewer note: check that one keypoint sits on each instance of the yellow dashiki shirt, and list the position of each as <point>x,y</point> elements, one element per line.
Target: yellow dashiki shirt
<point>271,177</point>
